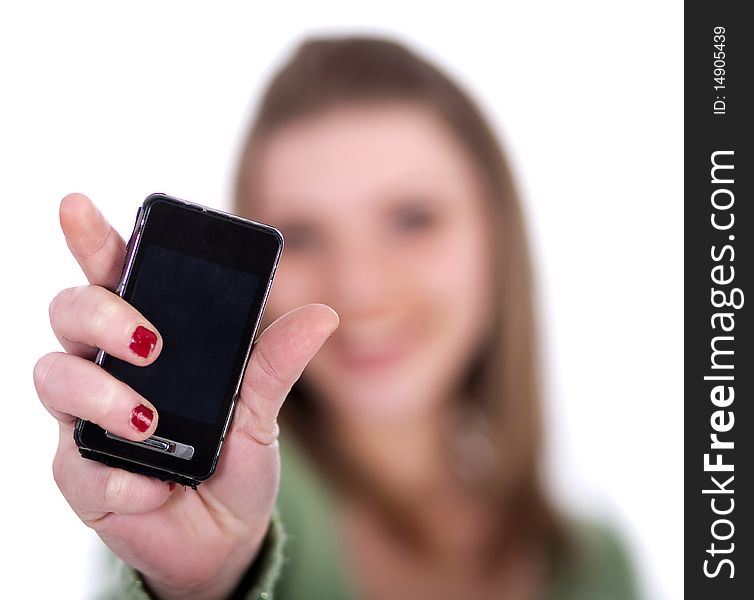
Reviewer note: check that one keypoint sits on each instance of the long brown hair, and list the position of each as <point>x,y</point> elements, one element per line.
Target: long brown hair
<point>503,381</point>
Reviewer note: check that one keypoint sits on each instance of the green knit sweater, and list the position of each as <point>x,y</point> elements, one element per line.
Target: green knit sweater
<point>300,558</point>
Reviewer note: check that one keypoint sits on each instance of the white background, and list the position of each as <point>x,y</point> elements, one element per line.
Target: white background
<point>120,100</point>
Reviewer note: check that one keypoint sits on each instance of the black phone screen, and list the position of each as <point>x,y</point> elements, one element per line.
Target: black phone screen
<point>201,277</point>
<point>200,308</point>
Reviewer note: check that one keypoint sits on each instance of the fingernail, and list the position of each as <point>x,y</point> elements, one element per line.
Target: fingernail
<point>143,341</point>
<point>141,418</point>
<point>171,485</point>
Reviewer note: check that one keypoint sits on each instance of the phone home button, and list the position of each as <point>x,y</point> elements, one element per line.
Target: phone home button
<point>160,444</point>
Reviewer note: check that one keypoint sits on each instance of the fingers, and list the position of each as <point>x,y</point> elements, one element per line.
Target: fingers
<point>96,246</point>
<point>94,489</point>
<point>70,386</point>
<point>90,317</point>
<point>277,361</point>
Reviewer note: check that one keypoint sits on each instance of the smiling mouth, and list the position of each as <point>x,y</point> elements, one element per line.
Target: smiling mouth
<point>366,358</point>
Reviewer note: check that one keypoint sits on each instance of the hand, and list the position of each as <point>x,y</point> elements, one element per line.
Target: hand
<point>186,543</point>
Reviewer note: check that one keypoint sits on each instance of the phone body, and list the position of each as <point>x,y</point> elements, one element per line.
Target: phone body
<point>202,277</point>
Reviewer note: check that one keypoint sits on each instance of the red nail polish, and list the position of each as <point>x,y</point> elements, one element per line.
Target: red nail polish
<point>141,417</point>
<point>143,341</point>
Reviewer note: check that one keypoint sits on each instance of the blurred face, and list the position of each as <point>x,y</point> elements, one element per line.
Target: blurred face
<point>384,220</point>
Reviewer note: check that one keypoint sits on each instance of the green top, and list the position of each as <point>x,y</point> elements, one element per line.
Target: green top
<point>301,558</point>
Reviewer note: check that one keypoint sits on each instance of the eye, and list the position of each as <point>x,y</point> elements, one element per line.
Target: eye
<point>414,219</point>
<point>301,237</point>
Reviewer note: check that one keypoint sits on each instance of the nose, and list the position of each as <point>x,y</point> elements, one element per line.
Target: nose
<point>359,278</point>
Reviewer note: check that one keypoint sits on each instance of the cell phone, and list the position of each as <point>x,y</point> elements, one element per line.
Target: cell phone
<point>202,277</point>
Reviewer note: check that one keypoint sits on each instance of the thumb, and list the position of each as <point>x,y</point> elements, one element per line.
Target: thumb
<point>279,357</point>
<point>247,475</point>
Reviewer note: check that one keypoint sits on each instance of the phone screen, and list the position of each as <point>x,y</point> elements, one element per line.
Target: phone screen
<point>201,277</point>
<point>200,308</point>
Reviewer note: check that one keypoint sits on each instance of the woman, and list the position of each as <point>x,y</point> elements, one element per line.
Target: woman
<point>411,444</point>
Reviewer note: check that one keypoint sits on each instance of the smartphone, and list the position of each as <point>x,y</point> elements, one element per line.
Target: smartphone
<point>202,277</point>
